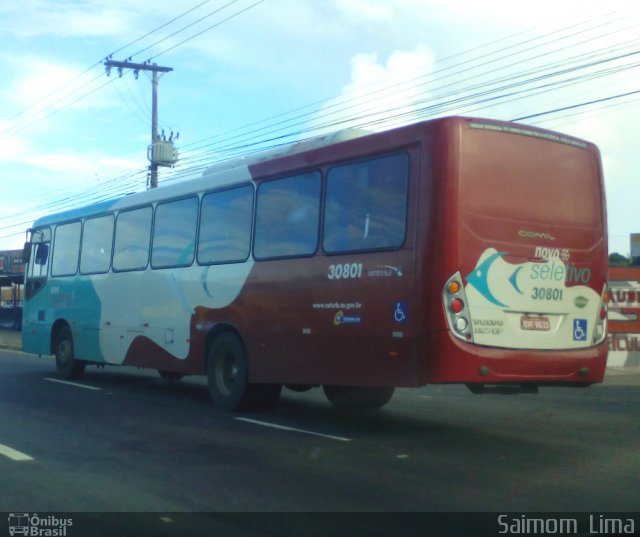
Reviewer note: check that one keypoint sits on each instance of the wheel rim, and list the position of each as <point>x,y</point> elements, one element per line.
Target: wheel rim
<point>64,352</point>
<point>227,373</point>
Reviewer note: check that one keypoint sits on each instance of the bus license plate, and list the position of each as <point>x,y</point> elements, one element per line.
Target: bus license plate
<point>529,322</point>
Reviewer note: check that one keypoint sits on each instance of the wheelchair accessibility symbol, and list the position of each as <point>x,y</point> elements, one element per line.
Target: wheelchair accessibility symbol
<point>400,312</point>
<point>579,330</point>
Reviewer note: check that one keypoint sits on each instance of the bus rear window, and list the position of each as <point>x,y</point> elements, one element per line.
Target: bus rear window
<point>366,205</point>
<point>525,179</point>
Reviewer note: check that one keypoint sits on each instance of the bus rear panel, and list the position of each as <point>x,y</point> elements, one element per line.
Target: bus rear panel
<point>526,300</point>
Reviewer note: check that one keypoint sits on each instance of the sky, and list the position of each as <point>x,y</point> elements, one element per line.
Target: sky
<point>250,74</point>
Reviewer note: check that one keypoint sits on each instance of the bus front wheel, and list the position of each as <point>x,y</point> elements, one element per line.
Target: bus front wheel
<point>358,397</point>
<point>66,364</point>
<point>228,374</point>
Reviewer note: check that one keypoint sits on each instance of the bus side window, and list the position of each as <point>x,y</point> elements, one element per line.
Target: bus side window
<point>174,233</point>
<point>366,205</point>
<point>66,249</point>
<point>97,241</point>
<point>287,217</point>
<point>133,235</point>
<point>225,226</point>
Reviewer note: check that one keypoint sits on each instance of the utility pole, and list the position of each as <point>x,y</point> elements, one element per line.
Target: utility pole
<point>155,69</point>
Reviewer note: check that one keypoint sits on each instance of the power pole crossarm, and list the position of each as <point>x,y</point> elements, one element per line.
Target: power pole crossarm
<point>137,66</point>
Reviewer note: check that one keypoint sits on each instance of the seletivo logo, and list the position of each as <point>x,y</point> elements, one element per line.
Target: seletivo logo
<point>536,235</point>
<point>38,526</point>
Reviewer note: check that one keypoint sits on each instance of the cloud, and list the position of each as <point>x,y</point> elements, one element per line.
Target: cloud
<point>381,93</point>
<point>34,79</point>
<point>512,16</point>
<point>280,56</point>
<point>366,10</point>
<point>78,166</point>
<point>67,166</point>
<point>68,18</point>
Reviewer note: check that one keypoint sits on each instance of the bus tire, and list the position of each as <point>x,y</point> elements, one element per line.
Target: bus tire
<point>358,397</point>
<point>66,364</point>
<point>228,374</point>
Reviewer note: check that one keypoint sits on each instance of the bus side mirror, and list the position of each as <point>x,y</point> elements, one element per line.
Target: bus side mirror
<point>26,252</point>
<point>42,254</point>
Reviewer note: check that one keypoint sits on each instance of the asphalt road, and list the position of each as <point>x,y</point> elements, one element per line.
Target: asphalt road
<point>124,440</point>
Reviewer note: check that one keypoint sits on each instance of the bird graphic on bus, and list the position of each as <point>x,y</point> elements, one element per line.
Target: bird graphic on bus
<point>479,278</point>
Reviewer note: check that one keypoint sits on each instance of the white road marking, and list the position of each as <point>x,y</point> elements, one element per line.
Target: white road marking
<point>13,454</point>
<point>293,429</point>
<point>76,384</point>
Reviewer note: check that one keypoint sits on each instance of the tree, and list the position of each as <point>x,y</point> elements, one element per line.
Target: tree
<point>619,260</point>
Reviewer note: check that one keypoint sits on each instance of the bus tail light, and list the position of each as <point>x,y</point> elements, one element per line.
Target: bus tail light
<point>600,332</point>
<point>455,306</point>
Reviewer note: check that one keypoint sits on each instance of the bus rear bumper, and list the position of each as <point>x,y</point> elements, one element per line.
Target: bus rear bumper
<point>461,362</point>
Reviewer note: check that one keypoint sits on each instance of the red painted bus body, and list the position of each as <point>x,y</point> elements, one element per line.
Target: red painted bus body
<point>286,310</point>
<point>514,215</point>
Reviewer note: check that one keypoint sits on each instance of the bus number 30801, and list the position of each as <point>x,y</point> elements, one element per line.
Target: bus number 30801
<point>345,271</point>
<point>546,293</point>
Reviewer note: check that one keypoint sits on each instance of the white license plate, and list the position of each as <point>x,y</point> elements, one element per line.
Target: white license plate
<point>537,322</point>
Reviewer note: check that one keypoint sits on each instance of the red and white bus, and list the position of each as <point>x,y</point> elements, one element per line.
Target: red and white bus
<point>455,250</point>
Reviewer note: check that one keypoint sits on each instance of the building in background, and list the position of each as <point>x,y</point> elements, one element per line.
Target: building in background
<point>624,316</point>
<point>634,240</point>
<point>11,280</point>
<point>624,307</point>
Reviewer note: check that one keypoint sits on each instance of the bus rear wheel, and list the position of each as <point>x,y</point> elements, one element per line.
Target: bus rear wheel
<point>358,397</point>
<point>228,374</point>
<point>66,364</point>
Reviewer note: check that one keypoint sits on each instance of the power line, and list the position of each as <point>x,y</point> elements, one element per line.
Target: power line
<point>579,105</point>
<point>478,94</point>
<point>20,128</point>
<point>209,28</point>
<point>347,105</point>
<point>16,129</point>
<point>183,14</point>
<point>214,12</point>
